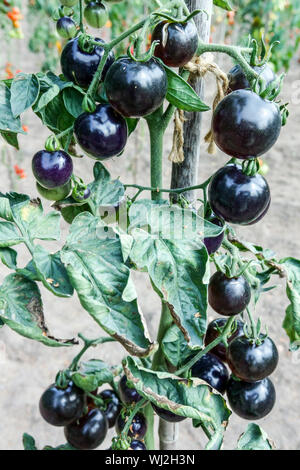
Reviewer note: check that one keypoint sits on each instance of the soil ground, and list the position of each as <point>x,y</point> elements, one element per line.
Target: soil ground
<point>27,368</point>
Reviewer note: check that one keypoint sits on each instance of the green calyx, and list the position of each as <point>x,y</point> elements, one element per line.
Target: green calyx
<point>88,104</point>
<point>144,57</point>
<point>251,167</point>
<point>52,144</point>
<point>85,43</point>
<point>172,19</point>
<point>120,443</point>
<point>62,379</point>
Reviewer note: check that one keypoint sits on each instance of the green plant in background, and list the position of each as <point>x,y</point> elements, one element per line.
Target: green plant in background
<point>97,102</point>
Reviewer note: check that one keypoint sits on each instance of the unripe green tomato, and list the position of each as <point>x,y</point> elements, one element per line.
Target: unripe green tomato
<point>68,3</point>
<point>66,27</point>
<point>96,14</point>
<point>55,194</point>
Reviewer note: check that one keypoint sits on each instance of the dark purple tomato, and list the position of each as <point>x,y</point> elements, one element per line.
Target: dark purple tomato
<point>138,427</point>
<point>55,194</point>
<point>178,42</point>
<point>96,14</point>
<point>250,361</point>
<point>101,134</point>
<point>167,415</point>
<point>52,169</point>
<point>210,369</point>
<point>60,407</point>
<point>236,197</point>
<point>213,333</point>
<point>66,27</point>
<point>128,395</point>
<point>88,432</point>
<point>137,445</point>
<point>79,66</point>
<point>251,400</point>
<point>238,80</point>
<point>213,243</point>
<point>113,406</point>
<point>136,89</point>
<point>261,215</point>
<point>228,296</point>
<point>245,125</point>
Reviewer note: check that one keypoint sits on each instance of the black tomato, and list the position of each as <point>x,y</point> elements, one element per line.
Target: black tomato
<point>101,134</point>
<point>137,445</point>
<point>52,169</point>
<point>213,243</point>
<point>79,66</point>
<point>245,125</point>
<point>251,400</point>
<point>251,362</point>
<point>128,395</point>
<point>88,432</point>
<point>60,407</point>
<point>178,42</point>
<point>136,89</point>
<point>228,296</point>
<point>66,27</point>
<point>212,333</point>
<point>261,216</point>
<point>238,79</point>
<point>96,14</point>
<point>167,415</point>
<point>55,194</point>
<point>113,406</point>
<point>238,198</point>
<point>138,427</point>
<point>210,369</point>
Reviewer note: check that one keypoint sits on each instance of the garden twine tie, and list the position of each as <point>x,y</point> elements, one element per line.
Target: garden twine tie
<point>198,67</point>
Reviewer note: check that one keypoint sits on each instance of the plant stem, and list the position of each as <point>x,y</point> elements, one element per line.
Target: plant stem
<point>225,332</point>
<point>149,438</point>
<point>164,190</point>
<point>137,407</point>
<point>156,145</point>
<point>81,16</point>
<point>88,343</point>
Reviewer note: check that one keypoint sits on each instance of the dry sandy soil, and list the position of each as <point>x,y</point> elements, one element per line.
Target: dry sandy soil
<point>27,368</point>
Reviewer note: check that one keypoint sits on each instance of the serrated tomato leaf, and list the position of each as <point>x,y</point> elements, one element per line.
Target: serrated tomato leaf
<point>24,91</point>
<point>291,323</point>
<point>254,438</point>
<point>92,374</point>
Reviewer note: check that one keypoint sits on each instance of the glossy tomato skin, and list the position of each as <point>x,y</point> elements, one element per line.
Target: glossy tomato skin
<point>55,194</point>
<point>101,134</point>
<point>177,42</point>
<point>245,125</point>
<point>128,395</point>
<point>213,243</point>
<point>136,89</point>
<point>167,415</point>
<point>251,400</point>
<point>238,79</point>
<point>60,407</point>
<point>138,427</point>
<point>251,362</point>
<point>137,445</point>
<point>210,369</point>
<point>52,169</point>
<point>79,66</point>
<point>212,333</point>
<point>238,198</point>
<point>261,216</point>
<point>113,406</point>
<point>88,432</point>
<point>228,296</point>
<point>66,27</point>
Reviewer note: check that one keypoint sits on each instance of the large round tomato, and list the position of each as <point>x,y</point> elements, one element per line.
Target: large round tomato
<point>88,432</point>
<point>101,134</point>
<point>238,198</point>
<point>52,169</point>
<point>136,89</point>
<point>228,296</point>
<point>79,66</point>
<point>245,125</point>
<point>178,42</point>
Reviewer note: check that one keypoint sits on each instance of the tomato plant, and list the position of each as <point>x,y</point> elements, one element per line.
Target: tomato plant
<point>96,103</point>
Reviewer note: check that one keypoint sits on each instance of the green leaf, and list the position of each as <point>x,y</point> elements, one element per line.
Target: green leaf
<point>191,398</point>
<point>92,374</point>
<point>8,257</point>
<point>11,138</point>
<point>24,93</point>
<point>46,98</point>
<point>61,447</point>
<point>29,442</point>
<point>291,323</point>
<point>73,101</point>
<point>55,116</point>
<point>21,309</point>
<point>93,258</point>
<point>177,263</point>
<point>175,347</point>
<point>254,438</point>
<point>9,235</point>
<point>132,124</point>
<point>223,4</point>
<point>8,122</point>
<point>181,94</point>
